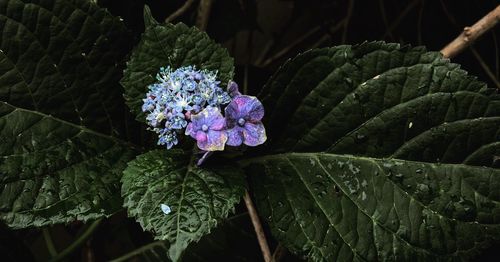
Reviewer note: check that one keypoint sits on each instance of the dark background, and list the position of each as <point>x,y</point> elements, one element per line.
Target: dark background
<point>261,35</point>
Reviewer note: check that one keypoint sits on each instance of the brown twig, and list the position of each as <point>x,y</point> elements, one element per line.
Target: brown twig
<point>279,252</point>
<point>419,23</point>
<point>347,18</point>
<point>470,34</point>
<point>180,11</point>
<point>384,17</point>
<point>402,15</point>
<point>203,14</point>
<point>497,56</point>
<point>331,32</point>
<point>261,237</point>
<point>289,47</point>
<point>485,67</point>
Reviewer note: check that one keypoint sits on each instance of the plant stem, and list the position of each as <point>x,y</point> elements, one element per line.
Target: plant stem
<point>180,11</point>
<point>203,14</point>
<point>78,242</point>
<point>137,251</point>
<point>485,67</point>
<point>402,15</point>
<point>261,237</point>
<point>347,18</point>
<point>279,252</point>
<point>470,34</point>
<point>49,242</point>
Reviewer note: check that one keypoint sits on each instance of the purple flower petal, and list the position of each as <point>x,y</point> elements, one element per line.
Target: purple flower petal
<point>201,136</point>
<point>254,134</point>
<point>232,89</point>
<point>247,107</point>
<point>210,114</point>
<point>190,130</point>
<point>207,128</point>
<point>218,124</point>
<point>235,136</point>
<point>215,141</point>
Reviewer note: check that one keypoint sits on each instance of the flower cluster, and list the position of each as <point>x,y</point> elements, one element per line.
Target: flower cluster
<point>176,96</point>
<point>192,99</point>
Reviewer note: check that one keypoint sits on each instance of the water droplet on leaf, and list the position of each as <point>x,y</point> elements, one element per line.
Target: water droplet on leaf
<point>166,209</point>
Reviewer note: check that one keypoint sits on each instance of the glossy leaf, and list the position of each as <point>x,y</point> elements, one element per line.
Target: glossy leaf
<point>378,100</point>
<point>381,100</point>
<point>349,208</point>
<point>198,197</point>
<point>64,58</point>
<point>171,45</point>
<point>52,171</point>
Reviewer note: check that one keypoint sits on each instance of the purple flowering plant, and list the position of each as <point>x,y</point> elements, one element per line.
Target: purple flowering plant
<point>191,102</point>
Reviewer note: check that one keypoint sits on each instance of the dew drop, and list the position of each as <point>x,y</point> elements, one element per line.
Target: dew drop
<point>363,196</point>
<point>166,209</point>
<point>360,136</point>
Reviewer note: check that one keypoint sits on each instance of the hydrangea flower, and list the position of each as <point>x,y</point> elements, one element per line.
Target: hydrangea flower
<point>207,127</point>
<point>177,95</point>
<point>191,99</point>
<point>243,121</point>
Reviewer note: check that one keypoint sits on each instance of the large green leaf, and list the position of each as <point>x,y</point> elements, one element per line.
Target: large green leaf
<point>375,100</point>
<point>198,198</point>
<point>52,171</point>
<point>379,99</point>
<point>171,45</point>
<point>64,58</point>
<point>349,208</point>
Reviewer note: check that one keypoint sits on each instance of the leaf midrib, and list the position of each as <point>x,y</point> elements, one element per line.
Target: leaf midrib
<point>64,122</point>
<point>315,156</point>
<point>281,156</point>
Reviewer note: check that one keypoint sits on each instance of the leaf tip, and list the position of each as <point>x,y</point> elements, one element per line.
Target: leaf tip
<point>149,20</point>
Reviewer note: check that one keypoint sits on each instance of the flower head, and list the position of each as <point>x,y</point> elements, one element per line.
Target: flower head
<point>243,121</point>
<point>207,127</point>
<point>166,137</point>
<point>176,96</point>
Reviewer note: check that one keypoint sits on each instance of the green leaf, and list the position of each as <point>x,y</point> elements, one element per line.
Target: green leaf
<point>350,208</point>
<point>381,101</point>
<point>175,46</point>
<point>198,198</point>
<point>52,171</point>
<point>149,20</point>
<point>64,58</point>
